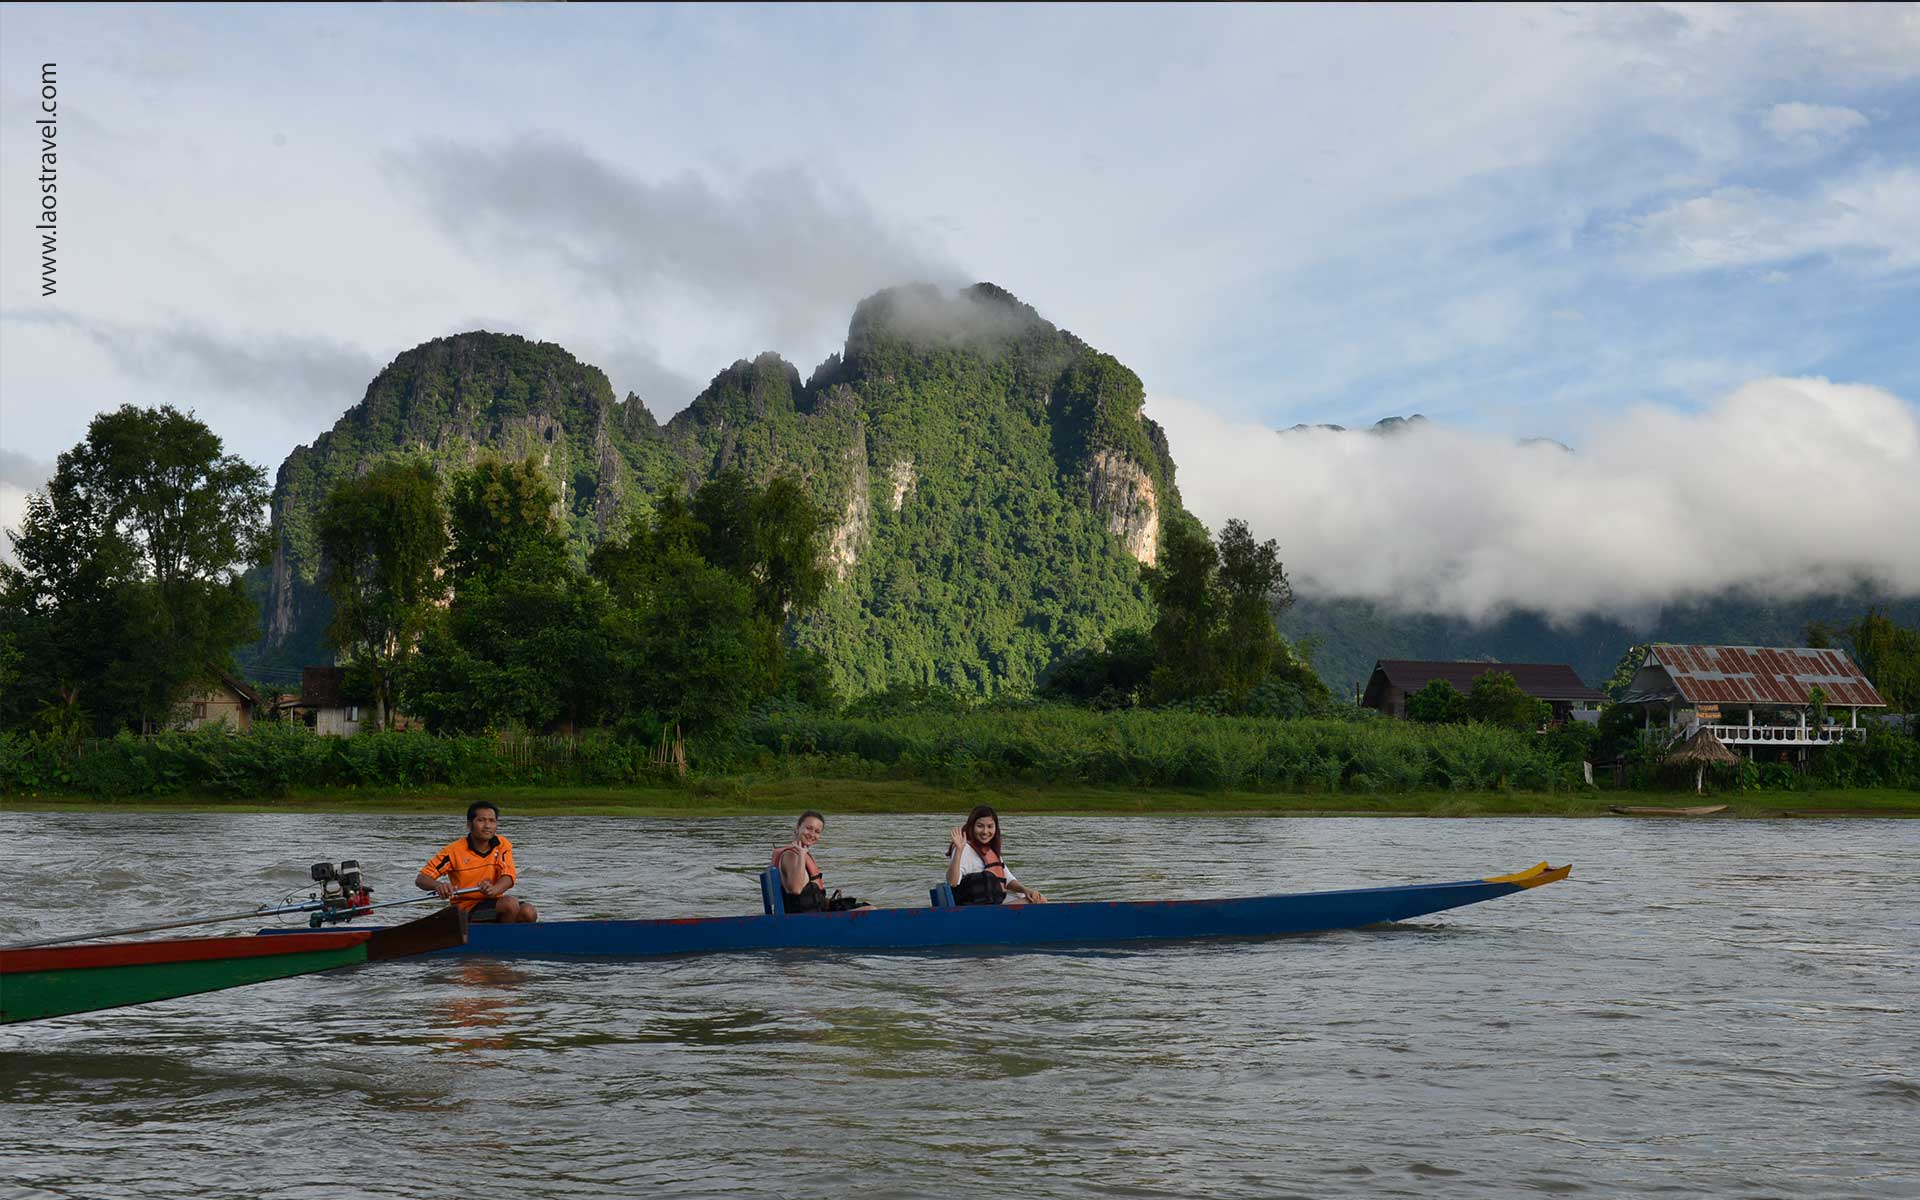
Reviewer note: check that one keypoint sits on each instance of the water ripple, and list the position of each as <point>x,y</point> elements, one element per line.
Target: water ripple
<point>1701,1011</point>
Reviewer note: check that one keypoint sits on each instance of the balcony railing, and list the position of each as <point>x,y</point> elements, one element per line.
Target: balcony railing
<point>1780,735</point>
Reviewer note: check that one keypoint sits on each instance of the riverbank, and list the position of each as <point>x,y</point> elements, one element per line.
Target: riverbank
<point>748,794</point>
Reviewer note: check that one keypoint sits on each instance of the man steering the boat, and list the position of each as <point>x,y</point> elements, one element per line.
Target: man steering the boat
<point>482,859</point>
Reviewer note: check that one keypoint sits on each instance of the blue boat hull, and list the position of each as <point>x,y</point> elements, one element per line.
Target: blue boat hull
<point>998,926</point>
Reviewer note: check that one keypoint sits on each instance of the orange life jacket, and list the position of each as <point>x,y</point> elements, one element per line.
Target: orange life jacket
<point>813,870</point>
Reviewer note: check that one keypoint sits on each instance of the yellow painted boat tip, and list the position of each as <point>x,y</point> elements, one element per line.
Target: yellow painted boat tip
<point>1535,876</point>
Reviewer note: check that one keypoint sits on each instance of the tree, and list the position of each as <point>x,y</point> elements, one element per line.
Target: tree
<point>128,588</point>
<point>1889,654</point>
<point>1496,699</point>
<point>1620,731</point>
<point>1255,589</point>
<point>680,630</point>
<point>1624,671</point>
<point>770,539</point>
<point>1182,584</point>
<point>523,641</point>
<point>382,537</point>
<point>501,515</point>
<point>1215,633</point>
<point>1438,703</point>
<point>1114,676</point>
<point>702,594</point>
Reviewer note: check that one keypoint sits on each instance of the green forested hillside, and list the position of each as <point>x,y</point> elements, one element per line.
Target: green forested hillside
<point>986,557</point>
<point>992,484</point>
<point>445,401</point>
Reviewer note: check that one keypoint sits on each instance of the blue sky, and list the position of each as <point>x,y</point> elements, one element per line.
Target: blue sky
<point>1520,221</point>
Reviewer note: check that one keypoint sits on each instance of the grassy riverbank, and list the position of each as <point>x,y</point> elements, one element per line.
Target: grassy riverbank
<point>748,794</point>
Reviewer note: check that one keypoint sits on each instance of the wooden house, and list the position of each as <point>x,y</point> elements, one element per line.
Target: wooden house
<point>227,701</point>
<point>1753,698</point>
<point>1394,679</point>
<point>323,705</point>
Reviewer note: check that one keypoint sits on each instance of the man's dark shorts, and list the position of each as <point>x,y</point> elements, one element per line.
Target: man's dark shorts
<point>483,912</point>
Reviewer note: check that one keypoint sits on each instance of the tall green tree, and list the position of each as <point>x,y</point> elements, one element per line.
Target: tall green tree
<point>523,642</point>
<point>681,631</point>
<point>703,593</point>
<point>1215,631</point>
<point>382,537</point>
<point>128,589</point>
<point>502,516</point>
<point>770,539</point>
<point>1116,675</point>
<point>1889,653</point>
<point>1624,670</point>
<point>1255,588</point>
<point>1185,632</point>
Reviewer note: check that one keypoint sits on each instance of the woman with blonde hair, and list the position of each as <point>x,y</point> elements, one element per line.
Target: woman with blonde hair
<point>802,884</point>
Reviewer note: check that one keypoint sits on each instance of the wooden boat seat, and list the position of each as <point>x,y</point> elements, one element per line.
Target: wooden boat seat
<point>773,896</point>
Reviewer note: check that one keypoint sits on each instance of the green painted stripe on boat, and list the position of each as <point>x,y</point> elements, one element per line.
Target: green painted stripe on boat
<point>32,995</point>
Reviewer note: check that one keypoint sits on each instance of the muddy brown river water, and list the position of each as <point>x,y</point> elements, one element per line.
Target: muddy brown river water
<point>1707,1007</point>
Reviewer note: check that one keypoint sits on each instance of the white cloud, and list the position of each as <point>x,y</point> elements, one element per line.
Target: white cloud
<point>1812,124</point>
<point>1787,486</point>
<point>1243,203</point>
<point>1871,218</point>
<point>13,506</point>
<point>20,476</point>
<point>794,249</point>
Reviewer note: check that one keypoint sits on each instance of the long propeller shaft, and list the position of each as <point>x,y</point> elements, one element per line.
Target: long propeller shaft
<point>184,922</point>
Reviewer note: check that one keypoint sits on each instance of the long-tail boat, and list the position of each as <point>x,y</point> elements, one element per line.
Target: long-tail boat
<point>56,981</point>
<point>941,924</point>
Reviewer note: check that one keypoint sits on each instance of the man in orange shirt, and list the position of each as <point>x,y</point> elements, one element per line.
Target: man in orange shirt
<point>482,859</point>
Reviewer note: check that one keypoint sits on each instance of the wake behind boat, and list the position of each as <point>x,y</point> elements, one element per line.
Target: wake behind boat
<point>940,925</point>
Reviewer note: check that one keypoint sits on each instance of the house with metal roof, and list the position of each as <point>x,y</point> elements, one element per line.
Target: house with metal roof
<point>1394,679</point>
<point>1753,697</point>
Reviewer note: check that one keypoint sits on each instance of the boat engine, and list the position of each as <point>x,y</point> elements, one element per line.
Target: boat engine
<point>343,893</point>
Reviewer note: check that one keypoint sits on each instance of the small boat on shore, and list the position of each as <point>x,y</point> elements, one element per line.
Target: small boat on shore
<point>991,927</point>
<point>1635,810</point>
<point>57,981</point>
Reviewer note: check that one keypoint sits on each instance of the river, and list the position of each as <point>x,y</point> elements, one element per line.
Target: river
<point>1708,1007</point>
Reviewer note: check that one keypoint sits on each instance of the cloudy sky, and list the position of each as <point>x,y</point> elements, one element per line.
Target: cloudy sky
<point>1684,241</point>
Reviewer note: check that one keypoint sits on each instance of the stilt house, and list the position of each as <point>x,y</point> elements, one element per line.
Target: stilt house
<point>1755,699</point>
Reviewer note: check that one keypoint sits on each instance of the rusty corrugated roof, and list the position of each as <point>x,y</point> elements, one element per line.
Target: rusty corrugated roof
<point>1763,675</point>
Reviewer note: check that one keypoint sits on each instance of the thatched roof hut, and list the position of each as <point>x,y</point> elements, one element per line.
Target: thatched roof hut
<point>1701,751</point>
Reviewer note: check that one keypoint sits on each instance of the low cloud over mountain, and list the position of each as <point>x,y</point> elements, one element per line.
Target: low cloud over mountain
<point>1785,486</point>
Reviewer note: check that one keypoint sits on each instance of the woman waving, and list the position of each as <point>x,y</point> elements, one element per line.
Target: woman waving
<point>974,867</point>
